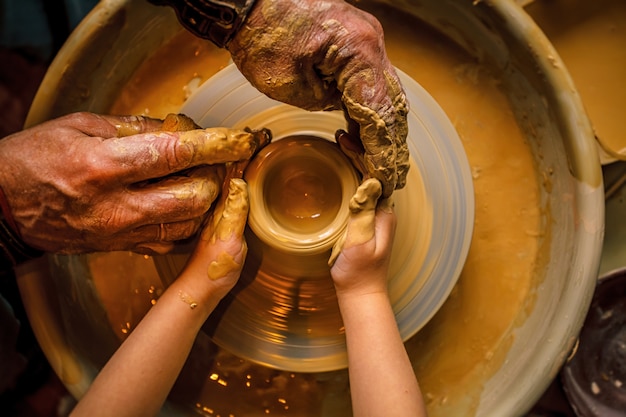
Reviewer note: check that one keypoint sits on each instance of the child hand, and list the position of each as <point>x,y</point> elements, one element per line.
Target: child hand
<point>215,265</point>
<point>360,260</point>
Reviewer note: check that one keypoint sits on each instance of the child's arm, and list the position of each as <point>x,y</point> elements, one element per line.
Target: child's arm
<point>382,381</point>
<point>137,379</point>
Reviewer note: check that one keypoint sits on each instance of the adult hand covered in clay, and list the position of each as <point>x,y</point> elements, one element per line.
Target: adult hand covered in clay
<point>86,182</point>
<point>327,54</point>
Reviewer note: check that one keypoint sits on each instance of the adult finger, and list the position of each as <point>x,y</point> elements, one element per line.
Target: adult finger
<point>334,58</point>
<point>158,154</point>
<point>166,232</point>
<point>372,96</point>
<point>374,99</point>
<point>106,126</point>
<point>151,152</point>
<point>173,199</point>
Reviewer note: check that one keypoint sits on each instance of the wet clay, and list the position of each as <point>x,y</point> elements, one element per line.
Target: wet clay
<point>217,145</point>
<point>362,218</point>
<point>230,219</point>
<point>178,123</point>
<point>302,192</point>
<point>130,125</point>
<point>299,201</point>
<point>335,77</point>
<point>186,298</point>
<point>467,340</point>
<point>222,266</point>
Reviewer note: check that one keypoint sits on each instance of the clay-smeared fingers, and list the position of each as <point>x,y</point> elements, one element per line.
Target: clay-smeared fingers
<point>216,263</point>
<point>107,126</point>
<point>157,154</point>
<point>328,54</point>
<point>139,148</point>
<point>361,226</point>
<point>184,196</point>
<point>354,150</point>
<point>178,123</point>
<point>382,125</point>
<point>224,232</point>
<point>84,186</point>
<point>230,215</point>
<point>198,188</point>
<point>134,125</point>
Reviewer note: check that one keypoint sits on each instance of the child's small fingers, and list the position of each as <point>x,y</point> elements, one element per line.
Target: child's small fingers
<point>235,214</point>
<point>227,238</point>
<point>361,225</point>
<point>230,215</point>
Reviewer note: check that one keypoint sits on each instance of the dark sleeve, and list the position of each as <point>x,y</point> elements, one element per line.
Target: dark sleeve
<point>217,21</point>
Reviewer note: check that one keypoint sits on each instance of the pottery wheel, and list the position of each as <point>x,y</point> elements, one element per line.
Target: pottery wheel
<point>283,313</point>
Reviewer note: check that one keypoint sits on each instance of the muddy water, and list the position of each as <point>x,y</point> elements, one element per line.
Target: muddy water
<point>466,341</point>
<point>590,37</point>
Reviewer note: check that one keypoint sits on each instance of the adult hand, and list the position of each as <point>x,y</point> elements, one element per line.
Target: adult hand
<point>87,182</point>
<point>327,54</point>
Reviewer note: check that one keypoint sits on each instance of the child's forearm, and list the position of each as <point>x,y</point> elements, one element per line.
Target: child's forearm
<point>137,379</point>
<point>382,381</point>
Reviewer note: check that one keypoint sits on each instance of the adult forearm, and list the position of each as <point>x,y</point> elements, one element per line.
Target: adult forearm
<point>382,380</point>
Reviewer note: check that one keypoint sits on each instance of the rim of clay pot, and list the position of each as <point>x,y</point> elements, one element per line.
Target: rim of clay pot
<point>328,176</point>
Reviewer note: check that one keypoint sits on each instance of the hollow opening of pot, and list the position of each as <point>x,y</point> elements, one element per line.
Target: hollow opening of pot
<point>300,189</point>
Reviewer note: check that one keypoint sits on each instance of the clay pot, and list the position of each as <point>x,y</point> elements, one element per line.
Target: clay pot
<point>300,190</point>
